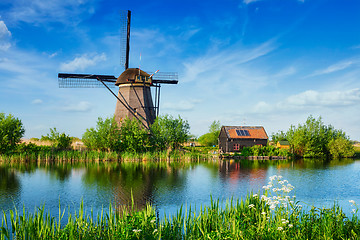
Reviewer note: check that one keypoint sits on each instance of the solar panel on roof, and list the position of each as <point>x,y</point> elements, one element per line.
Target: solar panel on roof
<point>241,132</point>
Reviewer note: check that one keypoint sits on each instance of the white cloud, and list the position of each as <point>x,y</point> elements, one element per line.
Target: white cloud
<point>336,67</point>
<point>312,99</point>
<point>83,62</point>
<point>183,105</point>
<point>332,99</point>
<point>226,64</point>
<point>5,35</point>
<point>37,101</point>
<point>82,106</point>
<point>285,72</point>
<point>250,1</point>
<point>39,11</point>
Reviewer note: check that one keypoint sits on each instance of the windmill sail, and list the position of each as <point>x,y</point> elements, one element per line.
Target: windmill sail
<point>125,17</point>
<point>67,80</point>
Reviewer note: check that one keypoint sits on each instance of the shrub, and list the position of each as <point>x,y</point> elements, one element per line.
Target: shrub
<point>60,141</point>
<point>11,132</point>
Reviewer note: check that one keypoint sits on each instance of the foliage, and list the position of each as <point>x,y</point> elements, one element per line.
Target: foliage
<point>315,139</point>
<point>11,132</point>
<point>133,137</point>
<point>60,141</point>
<point>211,138</point>
<point>268,150</point>
<point>341,147</point>
<point>105,137</point>
<point>273,215</point>
<point>279,136</point>
<point>168,132</point>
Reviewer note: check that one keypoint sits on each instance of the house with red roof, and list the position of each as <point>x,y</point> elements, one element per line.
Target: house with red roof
<point>235,138</point>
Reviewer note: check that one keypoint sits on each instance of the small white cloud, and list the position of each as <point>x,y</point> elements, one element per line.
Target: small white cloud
<point>37,101</point>
<point>82,106</point>
<point>336,67</point>
<point>183,105</point>
<point>262,107</point>
<point>5,35</point>
<point>285,72</point>
<point>83,62</point>
<point>53,55</point>
<point>250,1</point>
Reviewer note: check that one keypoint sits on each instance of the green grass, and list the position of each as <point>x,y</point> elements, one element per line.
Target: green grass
<point>273,215</point>
<point>95,156</point>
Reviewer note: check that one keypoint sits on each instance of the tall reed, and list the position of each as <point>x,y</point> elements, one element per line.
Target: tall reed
<point>273,215</point>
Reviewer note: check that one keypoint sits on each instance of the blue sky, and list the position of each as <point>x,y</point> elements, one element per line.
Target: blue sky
<point>242,62</point>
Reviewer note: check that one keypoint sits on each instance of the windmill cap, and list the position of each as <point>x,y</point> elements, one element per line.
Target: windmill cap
<point>130,74</point>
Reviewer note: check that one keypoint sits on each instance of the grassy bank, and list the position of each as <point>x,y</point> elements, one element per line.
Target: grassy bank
<point>273,215</point>
<point>49,155</point>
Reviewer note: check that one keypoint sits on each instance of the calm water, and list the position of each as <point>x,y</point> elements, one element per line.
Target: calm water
<point>170,185</point>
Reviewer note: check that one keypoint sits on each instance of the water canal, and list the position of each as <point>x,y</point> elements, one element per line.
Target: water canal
<point>168,185</point>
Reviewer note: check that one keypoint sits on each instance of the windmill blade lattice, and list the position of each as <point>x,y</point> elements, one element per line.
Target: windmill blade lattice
<point>85,80</point>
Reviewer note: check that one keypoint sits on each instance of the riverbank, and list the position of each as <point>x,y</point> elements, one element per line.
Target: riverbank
<point>255,217</point>
<point>49,155</point>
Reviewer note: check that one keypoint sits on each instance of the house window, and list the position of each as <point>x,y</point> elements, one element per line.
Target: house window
<point>236,147</point>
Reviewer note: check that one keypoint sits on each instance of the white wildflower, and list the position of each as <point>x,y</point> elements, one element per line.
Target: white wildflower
<point>352,202</point>
<point>290,225</point>
<point>251,205</point>
<point>280,228</point>
<point>353,211</point>
<point>136,230</point>
<point>152,221</point>
<point>155,231</point>
<point>255,195</point>
<point>263,213</point>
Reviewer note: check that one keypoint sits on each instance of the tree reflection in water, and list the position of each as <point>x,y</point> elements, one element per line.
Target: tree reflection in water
<point>138,180</point>
<point>9,187</point>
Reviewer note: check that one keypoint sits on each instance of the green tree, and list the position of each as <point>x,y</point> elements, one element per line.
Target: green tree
<point>313,138</point>
<point>211,138</point>
<point>341,147</point>
<point>60,141</point>
<point>279,136</point>
<point>169,132</point>
<point>105,137</point>
<point>11,132</point>
<point>133,136</point>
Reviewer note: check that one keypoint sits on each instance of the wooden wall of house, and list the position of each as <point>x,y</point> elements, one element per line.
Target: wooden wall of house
<point>223,141</point>
<point>228,146</point>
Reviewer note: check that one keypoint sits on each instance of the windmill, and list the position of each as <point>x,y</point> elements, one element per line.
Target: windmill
<point>134,98</point>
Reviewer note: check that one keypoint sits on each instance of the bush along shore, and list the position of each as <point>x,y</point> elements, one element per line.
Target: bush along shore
<point>273,215</point>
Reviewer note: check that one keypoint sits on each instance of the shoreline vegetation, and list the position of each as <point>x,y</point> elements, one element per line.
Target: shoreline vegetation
<point>270,215</point>
<point>165,140</point>
<point>101,156</point>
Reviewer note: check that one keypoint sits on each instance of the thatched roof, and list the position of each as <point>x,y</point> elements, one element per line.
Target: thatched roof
<point>130,74</point>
